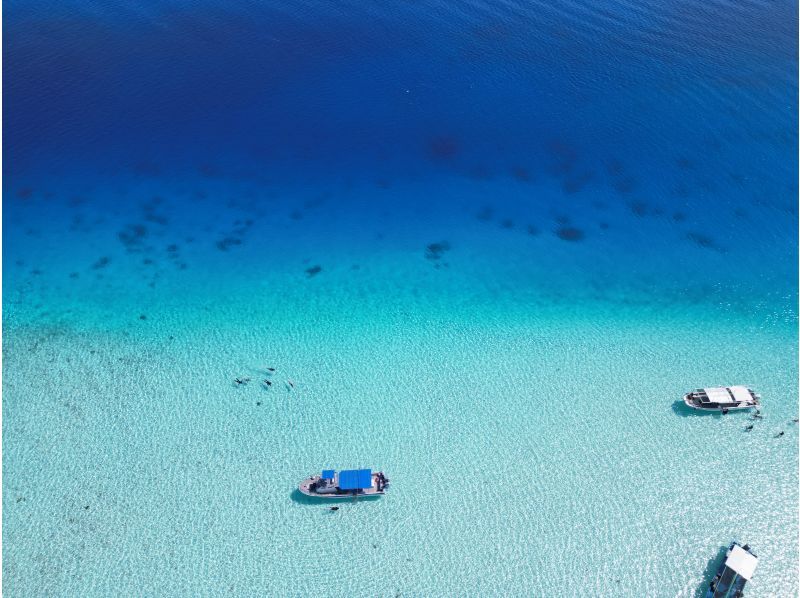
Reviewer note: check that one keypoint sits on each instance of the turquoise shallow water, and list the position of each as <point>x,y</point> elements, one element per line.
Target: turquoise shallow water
<point>548,452</point>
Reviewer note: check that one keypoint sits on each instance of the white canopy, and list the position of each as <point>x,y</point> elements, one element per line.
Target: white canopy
<point>718,395</point>
<point>741,393</point>
<point>742,562</point>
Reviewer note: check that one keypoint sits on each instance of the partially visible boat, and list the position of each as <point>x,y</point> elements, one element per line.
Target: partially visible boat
<point>722,399</point>
<point>734,573</point>
<point>348,483</point>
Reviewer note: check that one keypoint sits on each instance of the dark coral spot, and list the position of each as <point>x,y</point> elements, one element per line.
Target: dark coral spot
<point>573,184</point>
<point>156,219</point>
<point>570,233</point>
<point>702,240</point>
<point>639,208</point>
<point>313,271</point>
<point>532,230</point>
<point>521,174</point>
<point>444,147</point>
<point>131,236</point>
<point>434,251</point>
<point>507,223</point>
<point>678,216</point>
<point>142,317</point>
<point>101,263</point>
<point>228,242</point>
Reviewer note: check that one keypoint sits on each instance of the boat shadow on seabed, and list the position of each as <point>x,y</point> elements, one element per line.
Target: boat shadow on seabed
<point>681,409</point>
<point>711,569</point>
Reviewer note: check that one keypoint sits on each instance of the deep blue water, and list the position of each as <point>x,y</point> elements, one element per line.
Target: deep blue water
<point>683,113</point>
<point>562,88</point>
<point>395,198</point>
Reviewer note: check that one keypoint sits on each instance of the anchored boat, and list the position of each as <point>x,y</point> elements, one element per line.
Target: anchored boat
<point>735,572</point>
<point>348,483</point>
<point>723,398</point>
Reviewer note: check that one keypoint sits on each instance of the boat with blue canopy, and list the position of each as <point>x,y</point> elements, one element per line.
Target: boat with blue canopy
<point>347,483</point>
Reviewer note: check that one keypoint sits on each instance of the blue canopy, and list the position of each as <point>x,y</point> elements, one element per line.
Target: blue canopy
<point>355,479</point>
<point>327,474</point>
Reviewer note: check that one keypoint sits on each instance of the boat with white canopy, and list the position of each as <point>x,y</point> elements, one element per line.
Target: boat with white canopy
<point>722,399</point>
<point>739,566</point>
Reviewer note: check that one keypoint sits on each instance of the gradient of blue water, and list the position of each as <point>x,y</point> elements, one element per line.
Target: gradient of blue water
<point>609,183</point>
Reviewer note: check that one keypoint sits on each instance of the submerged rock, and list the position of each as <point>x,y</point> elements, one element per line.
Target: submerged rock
<point>434,251</point>
<point>101,263</point>
<point>228,242</point>
<point>570,233</point>
<point>702,240</point>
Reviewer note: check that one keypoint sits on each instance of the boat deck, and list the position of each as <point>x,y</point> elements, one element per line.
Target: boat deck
<point>734,573</point>
<point>730,584</point>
